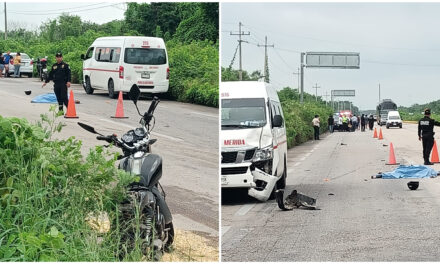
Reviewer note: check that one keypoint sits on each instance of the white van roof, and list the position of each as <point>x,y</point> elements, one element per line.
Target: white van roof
<point>393,113</point>
<point>132,41</point>
<point>247,89</point>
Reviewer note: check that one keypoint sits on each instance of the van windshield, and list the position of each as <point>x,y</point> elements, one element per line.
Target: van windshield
<point>145,56</point>
<point>393,117</point>
<point>243,113</point>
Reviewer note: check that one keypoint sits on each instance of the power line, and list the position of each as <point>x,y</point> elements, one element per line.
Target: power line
<point>58,13</point>
<point>58,9</point>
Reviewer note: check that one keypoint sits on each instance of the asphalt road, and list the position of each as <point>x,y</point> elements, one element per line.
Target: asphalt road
<point>187,141</point>
<point>359,218</point>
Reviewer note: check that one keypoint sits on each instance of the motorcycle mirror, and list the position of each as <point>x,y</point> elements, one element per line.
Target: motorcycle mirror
<point>88,128</point>
<point>134,96</point>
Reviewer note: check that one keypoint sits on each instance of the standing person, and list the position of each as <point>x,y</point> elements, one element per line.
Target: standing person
<point>371,121</point>
<point>17,64</point>
<point>6,60</point>
<point>60,74</point>
<point>426,134</point>
<point>363,123</point>
<point>331,122</point>
<point>2,64</point>
<point>340,123</point>
<point>315,123</point>
<point>354,122</point>
<point>345,123</point>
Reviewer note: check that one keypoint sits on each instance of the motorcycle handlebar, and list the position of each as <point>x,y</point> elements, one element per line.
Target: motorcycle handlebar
<point>149,114</point>
<point>106,138</point>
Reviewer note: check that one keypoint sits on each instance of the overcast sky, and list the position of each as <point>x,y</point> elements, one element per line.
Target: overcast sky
<point>399,46</point>
<point>32,14</point>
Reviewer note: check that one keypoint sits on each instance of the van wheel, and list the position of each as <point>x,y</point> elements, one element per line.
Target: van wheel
<point>388,126</point>
<point>400,126</point>
<point>111,89</point>
<point>281,183</point>
<point>88,88</point>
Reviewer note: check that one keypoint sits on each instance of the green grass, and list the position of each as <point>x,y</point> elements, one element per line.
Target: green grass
<point>47,188</point>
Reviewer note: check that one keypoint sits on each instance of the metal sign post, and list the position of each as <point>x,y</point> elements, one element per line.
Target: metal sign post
<point>329,60</point>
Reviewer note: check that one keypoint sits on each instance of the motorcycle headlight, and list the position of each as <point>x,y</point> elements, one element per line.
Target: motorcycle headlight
<point>263,154</point>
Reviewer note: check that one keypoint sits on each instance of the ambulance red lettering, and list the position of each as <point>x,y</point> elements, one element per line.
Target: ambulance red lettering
<point>234,142</point>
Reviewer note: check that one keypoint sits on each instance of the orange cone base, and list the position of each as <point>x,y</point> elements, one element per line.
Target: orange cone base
<point>119,116</point>
<point>71,116</point>
<point>392,164</point>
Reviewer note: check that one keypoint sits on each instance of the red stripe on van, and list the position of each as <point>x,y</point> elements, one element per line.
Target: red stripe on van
<point>282,142</point>
<point>93,69</point>
<point>145,47</point>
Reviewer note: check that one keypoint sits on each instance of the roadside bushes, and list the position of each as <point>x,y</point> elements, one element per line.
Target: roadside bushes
<point>298,117</point>
<point>194,72</point>
<point>47,189</point>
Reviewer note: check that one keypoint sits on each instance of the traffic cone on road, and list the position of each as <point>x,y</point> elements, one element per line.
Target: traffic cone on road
<point>71,111</point>
<point>120,108</point>
<point>392,157</point>
<point>434,156</point>
<point>375,133</point>
<point>380,134</point>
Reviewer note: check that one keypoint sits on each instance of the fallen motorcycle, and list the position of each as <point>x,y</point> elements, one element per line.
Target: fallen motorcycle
<point>146,198</point>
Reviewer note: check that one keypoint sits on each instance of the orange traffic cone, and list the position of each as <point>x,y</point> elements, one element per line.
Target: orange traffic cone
<point>71,112</point>
<point>434,156</point>
<point>380,134</point>
<point>392,158</point>
<point>120,108</point>
<point>375,133</point>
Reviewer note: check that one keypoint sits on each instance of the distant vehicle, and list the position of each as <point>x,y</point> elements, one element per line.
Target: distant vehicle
<point>382,110</point>
<point>336,120</point>
<point>26,67</point>
<point>253,138</point>
<point>394,119</point>
<point>117,63</point>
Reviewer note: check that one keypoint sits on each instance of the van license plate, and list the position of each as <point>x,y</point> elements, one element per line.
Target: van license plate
<point>145,75</point>
<point>224,181</point>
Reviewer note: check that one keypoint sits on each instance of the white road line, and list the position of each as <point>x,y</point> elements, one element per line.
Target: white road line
<point>296,164</point>
<point>225,229</point>
<point>153,133</point>
<point>197,113</point>
<point>244,209</point>
<point>312,150</point>
<point>302,159</point>
<point>308,154</point>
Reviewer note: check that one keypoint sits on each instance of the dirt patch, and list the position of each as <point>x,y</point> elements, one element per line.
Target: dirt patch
<point>190,247</point>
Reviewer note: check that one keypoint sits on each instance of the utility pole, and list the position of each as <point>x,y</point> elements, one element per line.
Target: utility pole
<point>326,96</point>
<point>6,24</point>
<point>301,98</point>
<point>240,33</point>
<point>266,69</point>
<point>316,91</point>
<point>297,73</point>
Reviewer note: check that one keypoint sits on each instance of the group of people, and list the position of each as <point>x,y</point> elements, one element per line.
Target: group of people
<point>351,122</point>
<point>6,59</point>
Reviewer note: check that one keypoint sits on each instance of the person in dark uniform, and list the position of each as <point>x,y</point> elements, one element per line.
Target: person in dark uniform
<point>60,74</point>
<point>426,134</point>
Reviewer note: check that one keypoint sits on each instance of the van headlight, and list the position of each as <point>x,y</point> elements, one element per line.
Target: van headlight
<point>263,154</point>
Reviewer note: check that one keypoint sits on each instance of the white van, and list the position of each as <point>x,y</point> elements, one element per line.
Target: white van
<point>253,138</point>
<point>394,119</point>
<point>117,63</point>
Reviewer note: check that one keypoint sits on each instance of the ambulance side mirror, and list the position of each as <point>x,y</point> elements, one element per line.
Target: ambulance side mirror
<point>277,121</point>
<point>82,57</point>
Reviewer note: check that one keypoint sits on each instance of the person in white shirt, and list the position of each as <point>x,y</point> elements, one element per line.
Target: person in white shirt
<point>315,123</point>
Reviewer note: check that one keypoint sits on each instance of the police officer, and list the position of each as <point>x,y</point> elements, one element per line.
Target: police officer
<point>426,134</point>
<point>60,74</point>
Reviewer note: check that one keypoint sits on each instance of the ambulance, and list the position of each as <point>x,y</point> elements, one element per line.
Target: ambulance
<point>117,63</point>
<point>253,138</point>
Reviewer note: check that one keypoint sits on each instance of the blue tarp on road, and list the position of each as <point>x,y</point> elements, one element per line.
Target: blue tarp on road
<point>412,171</point>
<point>48,98</point>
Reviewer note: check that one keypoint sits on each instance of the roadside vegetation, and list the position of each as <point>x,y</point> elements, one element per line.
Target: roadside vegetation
<point>415,112</point>
<point>298,117</point>
<point>50,196</point>
<point>190,31</point>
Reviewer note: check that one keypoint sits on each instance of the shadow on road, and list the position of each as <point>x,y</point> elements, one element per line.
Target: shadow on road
<point>236,196</point>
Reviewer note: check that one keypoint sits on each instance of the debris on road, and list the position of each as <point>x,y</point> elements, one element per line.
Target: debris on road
<point>331,194</point>
<point>384,145</point>
<point>293,200</point>
<point>413,185</point>
<point>343,144</point>
<point>28,92</point>
<point>411,171</point>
